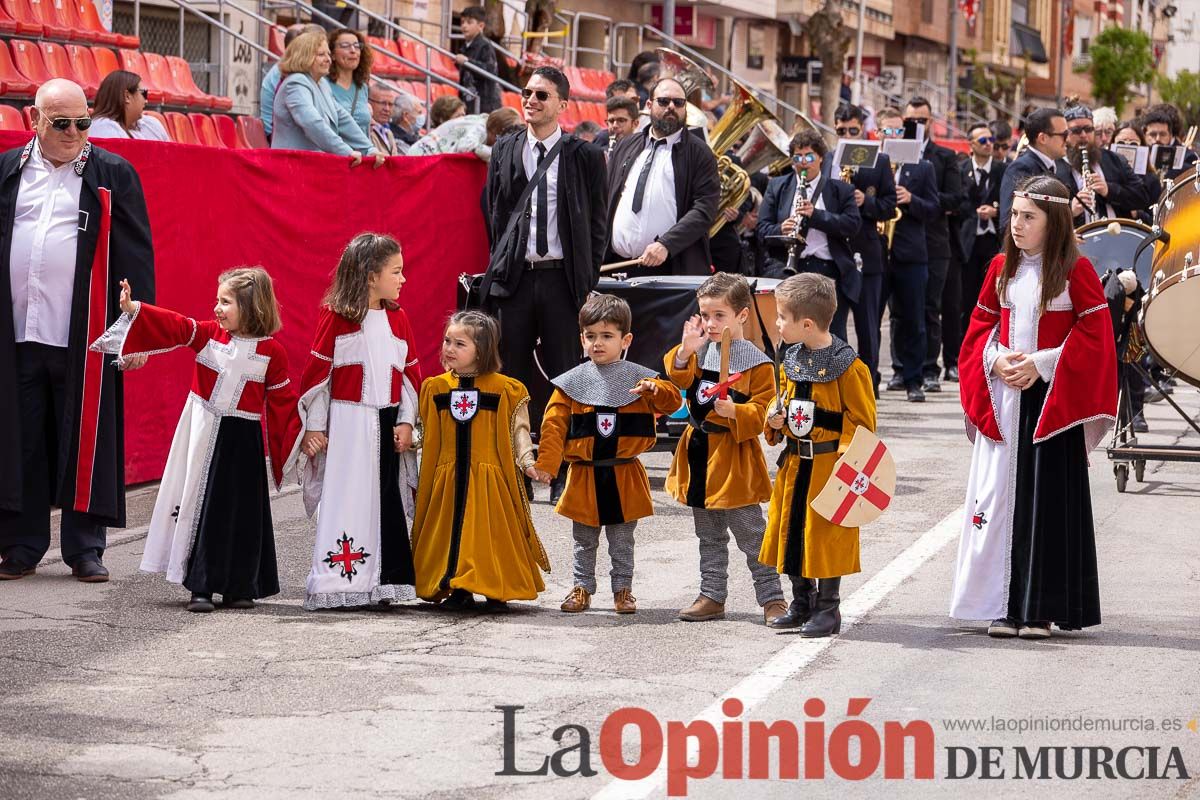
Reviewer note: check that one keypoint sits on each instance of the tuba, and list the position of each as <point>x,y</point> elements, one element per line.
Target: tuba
<point>766,147</point>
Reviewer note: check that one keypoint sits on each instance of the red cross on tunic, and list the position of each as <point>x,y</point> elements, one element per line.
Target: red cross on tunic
<point>464,405</point>
<point>800,418</point>
<point>346,557</point>
<point>605,424</point>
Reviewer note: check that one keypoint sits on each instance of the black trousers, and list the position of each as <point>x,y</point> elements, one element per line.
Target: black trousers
<point>952,330</point>
<point>986,247</point>
<point>908,283</point>
<point>830,270</point>
<point>541,315</point>
<point>41,390</point>
<point>866,321</point>
<point>939,268</point>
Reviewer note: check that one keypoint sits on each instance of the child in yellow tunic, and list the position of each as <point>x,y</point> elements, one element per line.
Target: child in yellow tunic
<point>827,394</point>
<point>599,420</point>
<point>719,469</point>
<point>472,533</point>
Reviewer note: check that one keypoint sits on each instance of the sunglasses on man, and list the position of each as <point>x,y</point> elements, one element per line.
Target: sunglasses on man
<point>804,158</point>
<point>892,131</point>
<point>62,123</point>
<point>1082,130</point>
<point>848,131</point>
<point>986,140</point>
<point>667,102</point>
<point>541,94</point>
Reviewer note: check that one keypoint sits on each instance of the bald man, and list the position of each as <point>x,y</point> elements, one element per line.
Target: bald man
<point>74,224</point>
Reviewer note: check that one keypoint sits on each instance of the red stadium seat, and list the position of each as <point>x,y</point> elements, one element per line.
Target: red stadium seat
<point>84,64</point>
<point>8,25</point>
<point>29,22</point>
<point>28,58</point>
<point>133,61</point>
<point>275,40</point>
<point>162,121</point>
<point>160,73</point>
<point>253,132</point>
<point>206,130</point>
<point>182,74</point>
<point>227,130</point>
<point>27,113</point>
<point>106,62</point>
<point>90,19</point>
<point>511,100</point>
<point>14,81</point>
<point>11,119</point>
<point>385,64</point>
<point>52,21</point>
<point>67,13</point>
<point>60,66</point>
<point>181,128</point>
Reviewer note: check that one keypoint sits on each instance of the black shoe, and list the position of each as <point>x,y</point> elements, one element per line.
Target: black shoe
<point>11,570</point>
<point>932,384</point>
<point>459,600</point>
<point>495,606</point>
<point>952,374</point>
<point>200,603</point>
<point>1153,395</point>
<point>876,391</point>
<point>237,602</point>
<point>804,598</point>
<point>557,485</point>
<point>896,384</point>
<point>1005,628</point>
<point>90,572</point>
<point>826,619</point>
<point>1138,424</point>
<point>915,395</point>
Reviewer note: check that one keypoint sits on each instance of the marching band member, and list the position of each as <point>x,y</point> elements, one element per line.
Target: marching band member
<point>1113,189</point>
<point>1162,125</point>
<point>1046,130</point>
<point>979,231</point>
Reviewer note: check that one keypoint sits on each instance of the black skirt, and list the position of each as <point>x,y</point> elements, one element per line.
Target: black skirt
<point>1054,576</point>
<point>396,560</point>
<point>234,551</point>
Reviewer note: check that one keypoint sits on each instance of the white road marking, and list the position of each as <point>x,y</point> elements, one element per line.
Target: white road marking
<point>760,684</point>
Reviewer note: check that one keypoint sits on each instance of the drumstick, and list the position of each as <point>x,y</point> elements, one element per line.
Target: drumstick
<point>1191,137</point>
<point>620,265</point>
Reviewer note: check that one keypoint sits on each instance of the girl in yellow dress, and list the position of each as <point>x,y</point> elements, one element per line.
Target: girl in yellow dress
<point>473,533</point>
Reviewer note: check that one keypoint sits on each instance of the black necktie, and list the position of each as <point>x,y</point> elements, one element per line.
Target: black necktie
<point>639,194</point>
<point>981,180</point>
<point>543,213</point>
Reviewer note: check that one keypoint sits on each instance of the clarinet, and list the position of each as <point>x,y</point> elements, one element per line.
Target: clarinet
<point>612,141</point>
<point>794,249</point>
<point>1085,170</point>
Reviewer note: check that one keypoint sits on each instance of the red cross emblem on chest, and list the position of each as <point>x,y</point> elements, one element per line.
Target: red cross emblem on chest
<point>606,423</point>
<point>464,403</point>
<point>346,557</point>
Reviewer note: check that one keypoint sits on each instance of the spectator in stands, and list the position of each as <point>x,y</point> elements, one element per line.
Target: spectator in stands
<point>446,108</point>
<point>306,115</point>
<point>117,114</point>
<point>502,122</point>
<point>646,79</point>
<point>408,118</point>
<point>477,50</point>
<point>621,88</point>
<point>270,81</point>
<point>640,60</point>
<point>350,74</point>
<point>64,254</point>
<point>587,130</point>
<point>341,15</point>
<point>382,100</point>
<point>473,133</point>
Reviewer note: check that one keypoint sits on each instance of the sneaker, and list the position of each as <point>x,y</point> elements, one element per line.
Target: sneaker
<point>579,600</point>
<point>1003,628</point>
<point>1138,424</point>
<point>1035,630</point>
<point>915,395</point>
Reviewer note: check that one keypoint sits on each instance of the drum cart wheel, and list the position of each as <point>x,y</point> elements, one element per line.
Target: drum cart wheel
<point>1122,473</point>
<point>1139,470</point>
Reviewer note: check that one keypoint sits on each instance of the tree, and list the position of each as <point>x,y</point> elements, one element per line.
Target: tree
<point>1120,60</point>
<point>1183,92</point>
<point>830,37</point>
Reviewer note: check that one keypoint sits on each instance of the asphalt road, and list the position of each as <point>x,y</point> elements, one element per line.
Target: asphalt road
<point>114,690</point>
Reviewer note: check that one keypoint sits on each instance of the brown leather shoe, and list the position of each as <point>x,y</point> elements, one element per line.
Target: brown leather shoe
<point>773,611</point>
<point>624,602</point>
<point>90,572</point>
<point>14,570</point>
<point>579,600</point>
<point>703,610</point>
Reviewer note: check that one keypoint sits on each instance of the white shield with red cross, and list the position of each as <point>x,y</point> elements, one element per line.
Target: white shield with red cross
<point>606,423</point>
<point>862,484</point>
<point>800,416</point>
<point>464,403</point>
<point>705,393</point>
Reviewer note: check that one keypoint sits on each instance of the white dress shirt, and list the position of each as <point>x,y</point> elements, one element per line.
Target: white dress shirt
<point>44,242</point>
<point>982,226</point>
<point>530,158</point>
<point>1046,160</point>
<point>816,243</point>
<point>633,233</point>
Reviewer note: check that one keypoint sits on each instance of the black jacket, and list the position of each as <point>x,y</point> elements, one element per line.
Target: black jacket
<point>1023,166</point>
<point>697,198</point>
<point>99,270</point>
<point>582,214</point>
<point>1126,193</point>
<point>839,221</point>
<point>878,186</point>
<point>950,189</point>
<point>910,243</point>
<point>973,198</point>
<point>482,55</point>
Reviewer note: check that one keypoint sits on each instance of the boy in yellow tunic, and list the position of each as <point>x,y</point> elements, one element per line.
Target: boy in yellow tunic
<point>599,420</point>
<point>719,469</point>
<point>827,392</point>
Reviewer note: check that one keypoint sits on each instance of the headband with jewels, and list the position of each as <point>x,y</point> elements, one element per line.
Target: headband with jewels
<point>1049,198</point>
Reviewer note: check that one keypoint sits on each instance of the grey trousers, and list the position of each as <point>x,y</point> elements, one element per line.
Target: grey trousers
<point>747,524</point>
<point>620,552</point>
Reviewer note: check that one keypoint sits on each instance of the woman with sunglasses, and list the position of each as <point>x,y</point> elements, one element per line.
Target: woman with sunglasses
<point>119,110</point>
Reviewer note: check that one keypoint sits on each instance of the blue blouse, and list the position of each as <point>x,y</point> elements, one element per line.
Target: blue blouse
<point>354,100</point>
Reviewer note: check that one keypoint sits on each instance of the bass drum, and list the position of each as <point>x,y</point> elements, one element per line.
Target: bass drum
<point>1110,244</point>
<point>1172,305</point>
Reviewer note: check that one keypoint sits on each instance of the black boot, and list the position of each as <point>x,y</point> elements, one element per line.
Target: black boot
<point>827,618</point>
<point>804,597</point>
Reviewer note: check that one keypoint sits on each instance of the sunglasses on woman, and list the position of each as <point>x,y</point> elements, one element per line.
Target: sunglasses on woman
<point>145,93</point>
<point>62,123</point>
<point>541,94</point>
<point>667,102</point>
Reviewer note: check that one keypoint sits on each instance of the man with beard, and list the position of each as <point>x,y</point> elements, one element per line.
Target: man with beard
<point>1113,190</point>
<point>663,191</point>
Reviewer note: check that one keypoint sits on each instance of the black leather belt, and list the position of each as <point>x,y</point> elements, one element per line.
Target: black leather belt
<point>707,427</point>
<point>605,462</point>
<point>550,263</point>
<point>807,448</point>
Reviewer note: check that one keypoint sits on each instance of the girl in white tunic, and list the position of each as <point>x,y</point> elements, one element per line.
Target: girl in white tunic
<point>359,404</point>
<point>1038,386</point>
